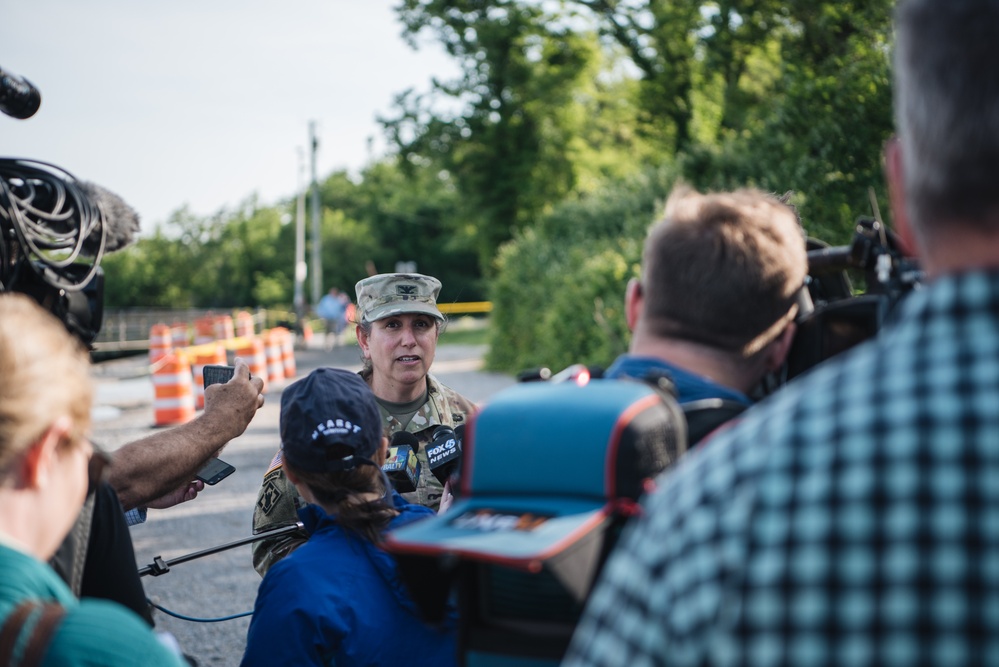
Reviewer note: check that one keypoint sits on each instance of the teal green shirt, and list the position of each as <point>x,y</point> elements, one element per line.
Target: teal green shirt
<point>93,632</point>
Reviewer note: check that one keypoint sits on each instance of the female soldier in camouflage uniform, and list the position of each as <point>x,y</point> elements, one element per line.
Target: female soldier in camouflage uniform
<point>397,327</point>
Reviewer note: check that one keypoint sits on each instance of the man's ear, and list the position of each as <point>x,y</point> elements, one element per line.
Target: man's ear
<point>895,175</point>
<point>634,301</point>
<point>778,349</point>
<point>41,455</point>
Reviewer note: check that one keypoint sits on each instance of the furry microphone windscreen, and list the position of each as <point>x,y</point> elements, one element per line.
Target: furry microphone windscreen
<point>120,219</point>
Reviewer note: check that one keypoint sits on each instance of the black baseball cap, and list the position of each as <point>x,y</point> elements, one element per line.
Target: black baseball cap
<point>329,422</point>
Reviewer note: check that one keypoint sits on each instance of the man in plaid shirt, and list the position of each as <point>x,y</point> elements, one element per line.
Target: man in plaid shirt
<point>853,518</point>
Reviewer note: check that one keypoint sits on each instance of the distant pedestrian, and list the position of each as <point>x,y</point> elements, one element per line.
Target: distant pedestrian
<point>332,308</point>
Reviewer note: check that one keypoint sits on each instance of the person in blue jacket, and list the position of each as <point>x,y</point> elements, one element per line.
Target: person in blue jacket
<point>338,599</point>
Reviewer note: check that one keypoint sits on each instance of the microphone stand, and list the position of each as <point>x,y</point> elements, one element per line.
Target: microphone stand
<point>160,566</point>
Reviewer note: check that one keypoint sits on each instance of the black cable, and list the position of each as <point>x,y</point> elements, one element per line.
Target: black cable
<point>199,620</point>
<point>47,224</point>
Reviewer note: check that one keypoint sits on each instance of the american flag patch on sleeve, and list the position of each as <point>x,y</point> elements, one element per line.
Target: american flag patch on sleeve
<point>276,463</point>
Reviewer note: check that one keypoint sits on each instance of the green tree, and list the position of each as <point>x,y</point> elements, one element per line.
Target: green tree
<point>237,258</point>
<point>156,272</point>
<point>779,94</point>
<point>559,292</point>
<point>392,214</point>
<point>506,140</point>
<point>245,248</point>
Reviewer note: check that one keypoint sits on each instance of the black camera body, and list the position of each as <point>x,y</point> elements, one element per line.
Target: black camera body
<point>54,231</point>
<point>833,317</point>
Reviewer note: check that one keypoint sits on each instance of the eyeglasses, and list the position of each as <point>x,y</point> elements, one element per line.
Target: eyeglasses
<point>97,467</point>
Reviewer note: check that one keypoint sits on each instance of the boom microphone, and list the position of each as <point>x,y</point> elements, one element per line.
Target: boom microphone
<point>18,96</point>
<point>402,467</point>
<point>121,221</point>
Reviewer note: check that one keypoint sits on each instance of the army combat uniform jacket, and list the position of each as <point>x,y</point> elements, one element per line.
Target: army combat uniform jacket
<point>278,500</point>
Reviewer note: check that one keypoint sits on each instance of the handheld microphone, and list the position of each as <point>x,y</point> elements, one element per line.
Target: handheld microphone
<point>402,467</point>
<point>18,97</point>
<point>444,452</point>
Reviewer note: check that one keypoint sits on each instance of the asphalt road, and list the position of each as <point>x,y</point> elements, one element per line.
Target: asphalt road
<point>225,583</point>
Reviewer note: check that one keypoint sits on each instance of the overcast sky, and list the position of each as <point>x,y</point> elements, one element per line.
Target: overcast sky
<point>205,102</point>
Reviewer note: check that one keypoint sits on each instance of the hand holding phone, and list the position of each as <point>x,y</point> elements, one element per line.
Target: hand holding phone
<point>216,374</point>
<point>214,471</point>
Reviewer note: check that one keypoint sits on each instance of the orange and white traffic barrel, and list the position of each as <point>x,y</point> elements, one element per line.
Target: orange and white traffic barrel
<point>224,329</point>
<point>272,347</point>
<point>173,401</point>
<point>287,351</point>
<point>244,324</point>
<point>213,354</point>
<point>204,330</point>
<point>255,356</point>
<point>160,342</point>
<point>179,334</point>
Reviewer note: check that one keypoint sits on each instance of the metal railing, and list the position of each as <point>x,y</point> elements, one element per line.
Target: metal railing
<point>127,330</point>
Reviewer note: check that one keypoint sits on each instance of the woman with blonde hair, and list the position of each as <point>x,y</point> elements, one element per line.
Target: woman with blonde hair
<point>47,466</point>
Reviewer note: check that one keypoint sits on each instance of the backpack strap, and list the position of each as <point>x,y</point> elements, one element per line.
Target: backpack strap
<point>44,627</point>
<point>707,414</point>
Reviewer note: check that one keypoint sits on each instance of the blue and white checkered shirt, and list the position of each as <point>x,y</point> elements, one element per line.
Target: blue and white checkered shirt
<point>851,519</point>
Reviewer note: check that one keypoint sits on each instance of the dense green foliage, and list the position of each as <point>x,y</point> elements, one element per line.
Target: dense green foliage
<point>531,178</point>
<point>559,292</point>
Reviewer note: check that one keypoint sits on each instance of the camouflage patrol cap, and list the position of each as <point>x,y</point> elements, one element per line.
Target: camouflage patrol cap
<point>390,294</point>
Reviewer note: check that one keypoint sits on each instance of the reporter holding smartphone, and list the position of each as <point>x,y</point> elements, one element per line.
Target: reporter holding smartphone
<point>398,325</point>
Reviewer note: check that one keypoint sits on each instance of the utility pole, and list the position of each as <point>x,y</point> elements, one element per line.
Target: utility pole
<point>301,268</point>
<point>317,266</point>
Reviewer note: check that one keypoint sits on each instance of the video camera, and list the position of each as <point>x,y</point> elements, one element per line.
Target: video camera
<point>54,229</point>
<point>549,474</point>
<point>52,239</point>
<point>833,317</point>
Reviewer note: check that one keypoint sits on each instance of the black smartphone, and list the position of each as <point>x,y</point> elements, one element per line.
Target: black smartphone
<point>215,374</point>
<point>214,471</point>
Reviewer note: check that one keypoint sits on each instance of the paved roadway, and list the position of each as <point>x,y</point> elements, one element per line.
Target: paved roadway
<point>224,584</point>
